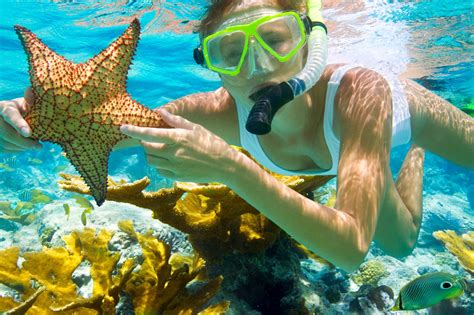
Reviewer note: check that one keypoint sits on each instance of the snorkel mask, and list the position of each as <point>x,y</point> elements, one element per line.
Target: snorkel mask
<point>265,36</point>
<point>265,41</point>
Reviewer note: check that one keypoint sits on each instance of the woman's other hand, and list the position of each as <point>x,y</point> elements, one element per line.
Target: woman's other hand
<point>14,130</point>
<point>187,152</point>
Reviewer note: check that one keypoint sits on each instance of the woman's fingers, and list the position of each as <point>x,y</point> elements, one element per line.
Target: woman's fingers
<point>162,165</point>
<point>176,121</point>
<point>7,147</point>
<point>159,149</point>
<point>29,98</point>
<point>9,134</point>
<point>12,115</point>
<point>166,173</point>
<point>158,135</point>
<point>158,161</point>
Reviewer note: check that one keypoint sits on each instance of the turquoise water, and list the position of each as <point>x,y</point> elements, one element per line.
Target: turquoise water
<point>431,41</point>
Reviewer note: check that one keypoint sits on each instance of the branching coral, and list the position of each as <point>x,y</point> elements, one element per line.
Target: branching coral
<point>156,288</point>
<point>460,246</point>
<point>20,213</point>
<point>217,220</point>
<point>160,284</point>
<point>52,268</point>
<point>106,289</point>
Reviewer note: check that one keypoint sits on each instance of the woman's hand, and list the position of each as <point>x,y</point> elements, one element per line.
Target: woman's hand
<point>14,130</point>
<point>187,152</point>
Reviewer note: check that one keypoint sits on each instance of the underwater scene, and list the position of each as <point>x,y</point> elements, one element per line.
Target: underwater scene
<point>144,244</point>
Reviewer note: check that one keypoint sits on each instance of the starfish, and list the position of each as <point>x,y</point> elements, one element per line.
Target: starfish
<point>81,106</point>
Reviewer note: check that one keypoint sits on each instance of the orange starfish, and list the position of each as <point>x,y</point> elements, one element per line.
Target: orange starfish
<point>81,106</point>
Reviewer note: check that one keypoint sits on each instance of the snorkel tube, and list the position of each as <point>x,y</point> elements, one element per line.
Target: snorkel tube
<point>270,99</point>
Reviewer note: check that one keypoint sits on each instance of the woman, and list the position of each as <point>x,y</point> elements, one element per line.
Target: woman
<point>345,124</point>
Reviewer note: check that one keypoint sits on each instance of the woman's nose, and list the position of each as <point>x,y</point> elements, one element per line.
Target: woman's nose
<point>256,60</point>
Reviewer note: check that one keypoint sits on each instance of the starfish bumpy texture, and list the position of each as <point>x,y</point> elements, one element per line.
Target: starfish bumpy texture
<point>81,106</point>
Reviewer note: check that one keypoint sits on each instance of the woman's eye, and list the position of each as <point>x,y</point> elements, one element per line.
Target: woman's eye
<point>276,42</point>
<point>232,54</point>
<point>275,39</point>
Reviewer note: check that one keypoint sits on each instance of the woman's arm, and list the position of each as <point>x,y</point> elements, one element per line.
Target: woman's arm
<point>190,152</point>
<point>341,235</point>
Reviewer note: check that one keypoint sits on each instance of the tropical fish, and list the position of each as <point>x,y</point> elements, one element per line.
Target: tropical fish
<point>83,216</point>
<point>59,168</point>
<point>6,167</point>
<point>67,210</point>
<point>38,196</point>
<point>83,202</point>
<point>428,290</point>
<point>10,161</point>
<point>25,195</point>
<point>35,161</point>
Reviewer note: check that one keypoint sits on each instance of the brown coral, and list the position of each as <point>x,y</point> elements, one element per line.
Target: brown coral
<point>460,246</point>
<point>52,268</point>
<point>21,211</point>
<point>158,287</point>
<point>106,289</point>
<point>217,220</point>
<point>16,214</point>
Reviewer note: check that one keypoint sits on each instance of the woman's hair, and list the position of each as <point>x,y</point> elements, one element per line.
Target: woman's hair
<point>217,8</point>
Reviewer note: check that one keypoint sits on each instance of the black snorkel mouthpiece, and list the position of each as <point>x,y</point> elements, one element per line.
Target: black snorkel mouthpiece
<point>267,102</point>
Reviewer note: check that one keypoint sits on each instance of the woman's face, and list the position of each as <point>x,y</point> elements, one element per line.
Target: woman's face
<point>260,68</point>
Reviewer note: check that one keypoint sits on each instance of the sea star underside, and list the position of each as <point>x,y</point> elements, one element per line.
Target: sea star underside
<point>81,106</point>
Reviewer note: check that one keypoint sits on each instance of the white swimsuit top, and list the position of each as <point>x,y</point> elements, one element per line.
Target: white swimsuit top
<point>401,131</point>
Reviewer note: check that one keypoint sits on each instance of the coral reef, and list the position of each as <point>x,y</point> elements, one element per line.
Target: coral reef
<point>370,273</point>
<point>22,212</point>
<point>267,282</point>
<point>460,246</point>
<point>221,226</point>
<point>19,213</point>
<point>217,220</point>
<point>371,300</point>
<point>159,286</point>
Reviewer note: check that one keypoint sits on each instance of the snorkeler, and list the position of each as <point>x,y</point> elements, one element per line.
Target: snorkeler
<point>296,115</point>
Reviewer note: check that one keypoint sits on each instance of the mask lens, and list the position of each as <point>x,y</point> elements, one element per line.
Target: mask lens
<point>225,51</point>
<point>282,35</point>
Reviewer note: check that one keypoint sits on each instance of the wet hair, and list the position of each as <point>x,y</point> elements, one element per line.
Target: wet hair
<point>217,8</point>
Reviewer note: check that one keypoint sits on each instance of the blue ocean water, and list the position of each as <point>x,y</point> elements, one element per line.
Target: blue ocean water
<point>432,41</point>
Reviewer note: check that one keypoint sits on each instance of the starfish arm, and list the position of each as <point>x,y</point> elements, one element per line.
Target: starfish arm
<point>124,110</point>
<point>91,161</point>
<point>108,70</point>
<point>47,69</point>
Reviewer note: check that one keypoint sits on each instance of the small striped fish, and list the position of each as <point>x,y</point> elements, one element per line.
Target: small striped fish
<point>10,161</point>
<point>428,290</point>
<point>25,195</point>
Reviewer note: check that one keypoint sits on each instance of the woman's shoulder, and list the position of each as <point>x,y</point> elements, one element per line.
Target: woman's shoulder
<point>351,71</point>
<point>350,76</point>
<point>351,80</point>
<point>358,80</point>
<point>361,93</point>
